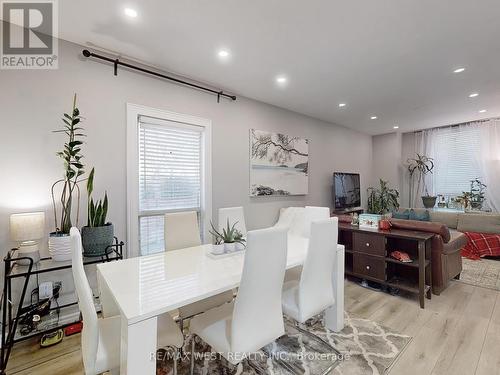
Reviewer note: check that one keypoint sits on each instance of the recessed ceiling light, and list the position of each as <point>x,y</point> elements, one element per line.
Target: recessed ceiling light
<point>395,127</point>
<point>482,111</point>
<point>223,53</point>
<point>473,95</point>
<point>281,80</point>
<point>132,13</point>
<point>459,70</point>
<point>373,118</point>
<point>342,105</point>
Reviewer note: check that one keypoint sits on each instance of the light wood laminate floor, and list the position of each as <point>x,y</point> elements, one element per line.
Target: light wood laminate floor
<point>458,332</point>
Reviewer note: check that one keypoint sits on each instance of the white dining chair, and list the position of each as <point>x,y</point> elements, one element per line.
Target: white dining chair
<point>255,318</point>
<point>233,215</point>
<point>313,292</point>
<point>182,231</point>
<point>101,337</point>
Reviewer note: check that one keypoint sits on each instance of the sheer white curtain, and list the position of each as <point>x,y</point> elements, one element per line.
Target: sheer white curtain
<point>462,153</point>
<point>488,160</point>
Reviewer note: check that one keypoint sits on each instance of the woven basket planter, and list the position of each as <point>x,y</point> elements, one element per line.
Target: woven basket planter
<point>95,240</point>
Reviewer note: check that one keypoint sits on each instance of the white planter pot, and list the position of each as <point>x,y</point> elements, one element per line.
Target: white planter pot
<point>218,249</point>
<point>229,247</point>
<point>240,246</point>
<point>60,247</point>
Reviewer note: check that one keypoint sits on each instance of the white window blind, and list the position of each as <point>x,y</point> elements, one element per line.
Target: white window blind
<point>170,176</point>
<point>454,152</point>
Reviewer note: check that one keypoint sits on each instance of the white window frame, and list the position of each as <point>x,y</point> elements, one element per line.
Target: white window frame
<point>134,111</point>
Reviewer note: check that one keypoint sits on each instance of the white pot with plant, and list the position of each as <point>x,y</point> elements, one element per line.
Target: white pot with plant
<point>239,240</point>
<point>59,240</point>
<point>229,236</point>
<point>218,246</point>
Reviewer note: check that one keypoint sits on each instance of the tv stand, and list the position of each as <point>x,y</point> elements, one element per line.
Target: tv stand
<point>347,211</point>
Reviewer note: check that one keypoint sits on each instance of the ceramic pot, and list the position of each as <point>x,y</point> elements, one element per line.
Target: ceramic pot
<point>229,247</point>
<point>60,246</point>
<point>218,249</point>
<point>429,202</point>
<point>96,240</point>
<point>239,246</point>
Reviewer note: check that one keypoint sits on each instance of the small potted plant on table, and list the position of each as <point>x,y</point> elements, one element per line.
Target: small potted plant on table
<point>230,236</point>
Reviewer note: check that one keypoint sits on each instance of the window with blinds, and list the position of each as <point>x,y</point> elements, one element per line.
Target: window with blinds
<point>454,151</point>
<point>170,176</point>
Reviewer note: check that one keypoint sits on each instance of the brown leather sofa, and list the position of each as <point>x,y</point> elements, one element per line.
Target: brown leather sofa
<point>446,258</point>
<point>446,261</point>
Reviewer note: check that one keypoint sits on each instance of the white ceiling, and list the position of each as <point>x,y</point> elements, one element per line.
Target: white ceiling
<point>389,58</point>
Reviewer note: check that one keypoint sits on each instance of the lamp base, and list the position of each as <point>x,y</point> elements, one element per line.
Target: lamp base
<point>28,249</point>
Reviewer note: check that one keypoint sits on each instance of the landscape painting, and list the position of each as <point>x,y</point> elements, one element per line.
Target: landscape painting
<point>279,164</point>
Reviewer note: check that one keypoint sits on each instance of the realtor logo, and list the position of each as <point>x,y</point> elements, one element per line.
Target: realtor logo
<point>29,32</point>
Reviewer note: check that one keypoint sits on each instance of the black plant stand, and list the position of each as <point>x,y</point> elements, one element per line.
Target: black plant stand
<point>12,271</point>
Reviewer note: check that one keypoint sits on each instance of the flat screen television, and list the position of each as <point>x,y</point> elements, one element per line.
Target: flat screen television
<point>346,190</point>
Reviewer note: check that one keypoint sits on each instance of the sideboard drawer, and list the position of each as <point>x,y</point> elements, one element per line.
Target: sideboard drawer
<point>369,266</point>
<point>369,243</point>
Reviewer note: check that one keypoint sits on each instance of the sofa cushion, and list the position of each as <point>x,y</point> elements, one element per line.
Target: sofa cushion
<point>457,241</point>
<point>450,219</point>
<point>423,216</point>
<point>479,222</point>
<point>404,215</point>
<point>423,226</point>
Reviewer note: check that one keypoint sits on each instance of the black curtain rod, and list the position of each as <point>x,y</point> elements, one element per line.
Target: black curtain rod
<point>117,62</point>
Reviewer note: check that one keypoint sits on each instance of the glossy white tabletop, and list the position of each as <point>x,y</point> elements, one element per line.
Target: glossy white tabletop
<point>148,286</point>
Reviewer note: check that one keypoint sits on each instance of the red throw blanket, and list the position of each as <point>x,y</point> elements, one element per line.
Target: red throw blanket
<point>481,244</point>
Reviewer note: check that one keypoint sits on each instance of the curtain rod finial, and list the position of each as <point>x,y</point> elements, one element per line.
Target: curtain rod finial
<point>86,53</point>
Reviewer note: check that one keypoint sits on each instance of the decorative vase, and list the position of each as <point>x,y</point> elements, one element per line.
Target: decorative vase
<point>229,247</point>
<point>60,246</point>
<point>428,201</point>
<point>218,249</point>
<point>96,240</point>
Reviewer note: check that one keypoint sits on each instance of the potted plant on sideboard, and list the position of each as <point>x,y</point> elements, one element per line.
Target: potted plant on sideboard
<point>383,200</point>
<point>422,165</point>
<point>59,240</point>
<point>98,234</point>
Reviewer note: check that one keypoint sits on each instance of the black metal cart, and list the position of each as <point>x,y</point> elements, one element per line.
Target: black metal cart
<point>12,270</point>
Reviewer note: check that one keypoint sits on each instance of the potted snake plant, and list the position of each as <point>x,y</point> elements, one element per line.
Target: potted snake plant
<point>98,234</point>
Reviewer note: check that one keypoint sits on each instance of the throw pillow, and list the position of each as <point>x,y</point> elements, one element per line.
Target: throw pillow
<point>405,215</point>
<point>424,216</point>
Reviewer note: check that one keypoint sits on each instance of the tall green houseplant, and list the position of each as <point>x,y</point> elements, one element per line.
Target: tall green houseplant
<point>420,167</point>
<point>71,156</point>
<point>382,200</point>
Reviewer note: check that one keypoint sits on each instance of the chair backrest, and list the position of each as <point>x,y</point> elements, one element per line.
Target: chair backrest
<point>90,333</point>
<point>234,215</point>
<point>181,230</point>
<point>315,288</point>
<point>257,315</point>
<point>311,214</point>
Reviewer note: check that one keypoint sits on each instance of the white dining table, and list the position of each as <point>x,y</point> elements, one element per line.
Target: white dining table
<point>145,287</point>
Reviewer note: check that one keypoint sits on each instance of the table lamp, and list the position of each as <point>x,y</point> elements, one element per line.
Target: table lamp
<point>28,229</point>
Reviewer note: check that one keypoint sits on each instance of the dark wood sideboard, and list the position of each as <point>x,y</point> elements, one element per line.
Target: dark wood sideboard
<point>367,257</point>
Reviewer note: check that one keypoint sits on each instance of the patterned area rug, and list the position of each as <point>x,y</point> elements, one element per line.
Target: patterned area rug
<point>363,347</point>
<point>484,273</point>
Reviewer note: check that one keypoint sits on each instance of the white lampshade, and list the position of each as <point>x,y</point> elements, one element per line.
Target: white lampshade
<point>27,227</point>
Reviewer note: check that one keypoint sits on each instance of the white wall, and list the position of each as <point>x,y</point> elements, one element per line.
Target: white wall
<point>32,103</point>
<point>386,158</point>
